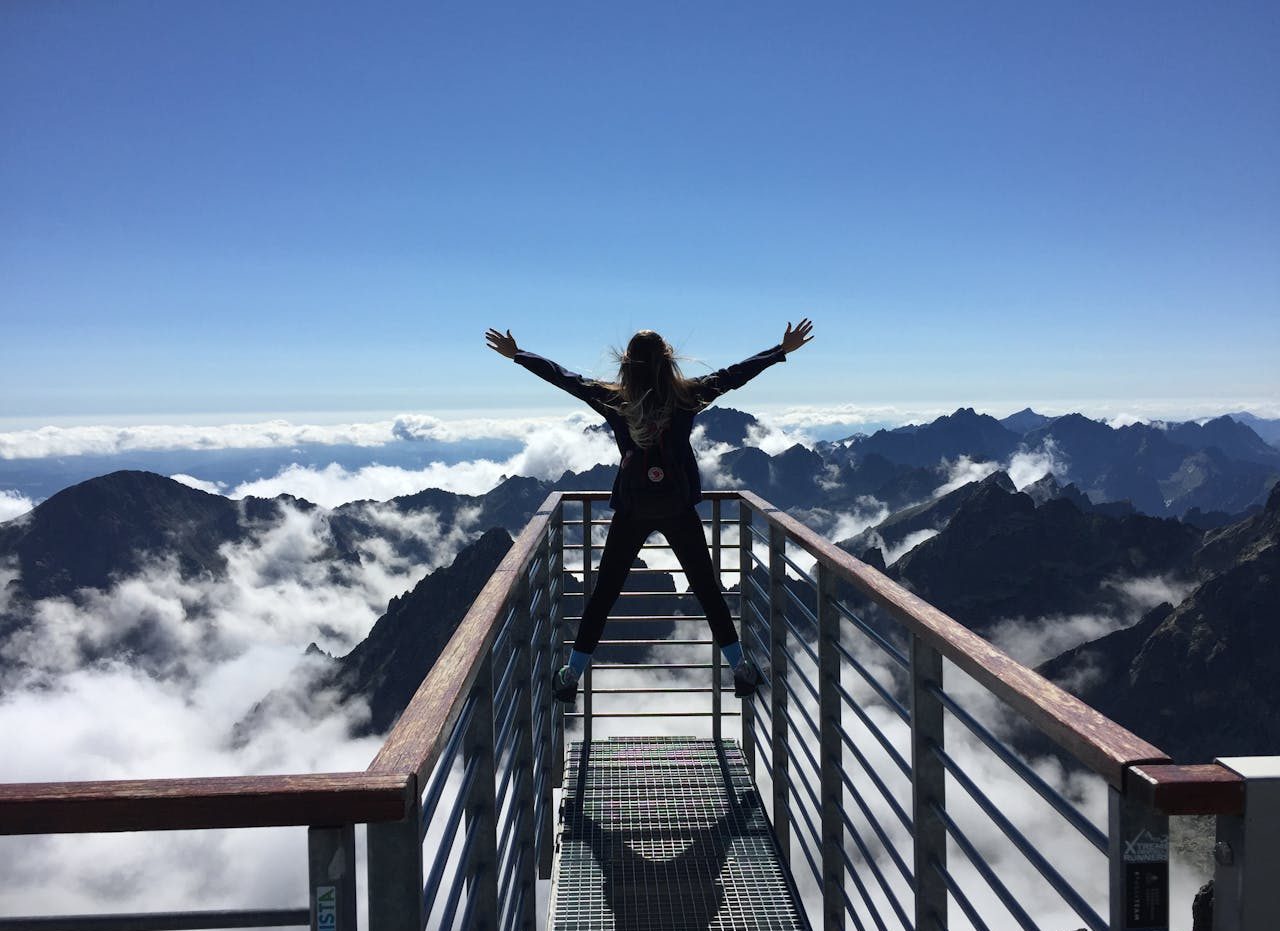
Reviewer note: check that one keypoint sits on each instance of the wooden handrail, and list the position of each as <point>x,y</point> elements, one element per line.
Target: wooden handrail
<point>419,736</point>
<point>208,802</point>
<point>1199,789</point>
<point>1094,739</point>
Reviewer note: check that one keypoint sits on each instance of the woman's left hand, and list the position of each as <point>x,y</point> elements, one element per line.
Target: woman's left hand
<point>794,339</point>
<point>502,344</point>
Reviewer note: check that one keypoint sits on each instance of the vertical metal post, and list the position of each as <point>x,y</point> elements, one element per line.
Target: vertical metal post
<point>715,647</point>
<point>557,649</point>
<point>744,622</point>
<point>522,805</point>
<point>1245,892</point>
<point>542,674</point>
<point>830,752</point>
<point>928,785</point>
<point>477,745</point>
<point>1138,857</point>
<point>395,871</point>
<point>331,869</point>
<point>587,586</point>
<point>778,710</point>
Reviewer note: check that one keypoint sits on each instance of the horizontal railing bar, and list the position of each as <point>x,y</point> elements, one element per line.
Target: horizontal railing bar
<point>1069,812</point>
<point>890,896</point>
<point>687,593</point>
<point>652,714</point>
<point>514,817</point>
<point>803,573</point>
<point>448,835</point>
<point>1097,741</point>
<point>649,643</point>
<point>758,589</point>
<point>804,848</point>
<point>459,879</point>
<point>671,689</point>
<point>163,921</point>
<point>965,905</point>
<point>500,696</point>
<point>879,784</point>
<point>596,666</point>
<point>508,867</point>
<point>804,609</point>
<point>799,637</point>
<point>885,695</point>
<point>707,495</point>
<point>204,802</point>
<point>509,712</point>
<point>636,570</point>
<point>898,759</point>
<point>444,764</point>
<point>646,618</point>
<point>851,911</point>
<point>872,909</point>
<point>897,655</point>
<point>1042,866</point>
<point>1007,899</point>
<point>600,546</point>
<point>804,712</point>
<point>878,830</point>
<point>508,774</point>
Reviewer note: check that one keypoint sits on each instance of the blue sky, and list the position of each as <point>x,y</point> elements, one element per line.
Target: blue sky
<point>287,206</point>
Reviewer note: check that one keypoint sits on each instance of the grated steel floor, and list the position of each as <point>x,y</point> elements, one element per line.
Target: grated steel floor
<point>664,834</point>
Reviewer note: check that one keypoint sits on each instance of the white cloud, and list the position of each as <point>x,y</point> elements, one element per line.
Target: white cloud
<point>103,439</point>
<point>213,488</point>
<point>774,438</point>
<point>963,471</point>
<point>218,646</point>
<point>893,553</point>
<point>13,504</point>
<point>548,452</point>
<point>1027,466</point>
<point>708,455</point>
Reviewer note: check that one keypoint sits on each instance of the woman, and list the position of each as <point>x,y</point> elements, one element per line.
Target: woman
<point>651,409</point>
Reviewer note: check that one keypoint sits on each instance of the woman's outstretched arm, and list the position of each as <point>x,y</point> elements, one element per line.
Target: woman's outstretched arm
<point>585,389</point>
<point>712,386</point>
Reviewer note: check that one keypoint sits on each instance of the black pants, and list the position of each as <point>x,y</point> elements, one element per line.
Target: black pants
<point>626,535</point>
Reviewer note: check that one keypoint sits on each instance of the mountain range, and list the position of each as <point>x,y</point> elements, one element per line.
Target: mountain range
<point>1195,503</point>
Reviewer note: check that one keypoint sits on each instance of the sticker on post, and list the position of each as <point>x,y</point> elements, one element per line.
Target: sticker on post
<point>326,908</point>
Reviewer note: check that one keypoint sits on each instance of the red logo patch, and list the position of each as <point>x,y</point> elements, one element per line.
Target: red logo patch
<point>656,474</point>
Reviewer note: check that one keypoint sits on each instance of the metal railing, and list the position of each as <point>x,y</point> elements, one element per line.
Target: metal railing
<point>863,735</point>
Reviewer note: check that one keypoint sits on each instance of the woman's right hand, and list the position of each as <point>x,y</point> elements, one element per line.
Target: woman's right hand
<point>794,339</point>
<point>502,344</point>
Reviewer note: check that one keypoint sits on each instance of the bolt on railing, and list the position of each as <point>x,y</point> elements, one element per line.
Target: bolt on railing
<point>852,730</point>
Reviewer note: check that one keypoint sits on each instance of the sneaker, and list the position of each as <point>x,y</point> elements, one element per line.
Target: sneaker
<point>746,677</point>
<point>564,686</point>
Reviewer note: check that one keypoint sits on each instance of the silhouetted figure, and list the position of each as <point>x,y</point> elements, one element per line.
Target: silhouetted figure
<point>651,409</point>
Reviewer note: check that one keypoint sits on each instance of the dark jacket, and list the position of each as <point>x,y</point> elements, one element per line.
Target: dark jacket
<point>706,389</point>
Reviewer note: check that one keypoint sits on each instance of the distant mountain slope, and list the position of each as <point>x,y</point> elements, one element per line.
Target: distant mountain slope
<point>1202,679</point>
<point>1268,429</point>
<point>963,433</point>
<point>1024,421</point>
<point>111,525</point>
<point>1162,470</point>
<point>1000,556</point>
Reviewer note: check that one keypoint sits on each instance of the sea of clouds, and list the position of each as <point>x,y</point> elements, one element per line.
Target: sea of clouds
<point>207,650</point>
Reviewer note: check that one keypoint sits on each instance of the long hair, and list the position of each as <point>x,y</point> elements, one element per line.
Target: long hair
<point>650,386</point>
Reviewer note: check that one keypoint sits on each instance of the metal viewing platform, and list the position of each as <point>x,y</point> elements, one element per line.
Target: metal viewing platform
<point>666,834</point>
<point>879,780</point>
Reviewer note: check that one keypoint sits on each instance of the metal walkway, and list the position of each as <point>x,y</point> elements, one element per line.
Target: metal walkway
<point>666,834</point>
